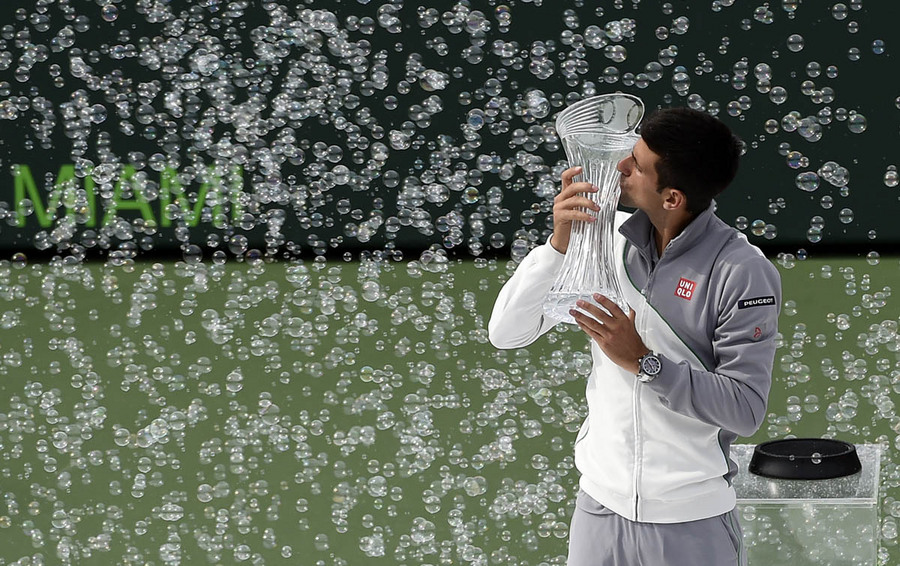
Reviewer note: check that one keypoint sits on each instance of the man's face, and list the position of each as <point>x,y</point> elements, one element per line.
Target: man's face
<point>639,181</point>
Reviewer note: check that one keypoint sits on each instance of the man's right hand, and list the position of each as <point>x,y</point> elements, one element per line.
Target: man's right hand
<point>570,205</point>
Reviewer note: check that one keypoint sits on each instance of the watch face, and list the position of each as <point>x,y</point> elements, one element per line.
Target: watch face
<point>650,365</point>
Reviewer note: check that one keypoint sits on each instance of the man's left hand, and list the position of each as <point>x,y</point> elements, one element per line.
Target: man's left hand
<point>614,332</point>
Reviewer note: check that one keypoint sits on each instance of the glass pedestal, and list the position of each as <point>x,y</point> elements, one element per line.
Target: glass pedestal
<point>810,522</point>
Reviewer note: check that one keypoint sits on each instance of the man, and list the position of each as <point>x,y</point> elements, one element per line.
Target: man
<point>675,381</point>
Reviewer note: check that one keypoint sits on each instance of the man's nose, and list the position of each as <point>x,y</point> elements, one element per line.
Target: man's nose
<point>623,166</point>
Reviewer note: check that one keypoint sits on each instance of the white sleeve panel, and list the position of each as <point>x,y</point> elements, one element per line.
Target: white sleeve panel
<point>518,317</point>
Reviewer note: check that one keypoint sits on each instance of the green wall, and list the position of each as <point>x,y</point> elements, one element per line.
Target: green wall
<point>348,413</point>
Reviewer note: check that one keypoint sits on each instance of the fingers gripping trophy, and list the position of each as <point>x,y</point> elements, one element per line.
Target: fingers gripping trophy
<point>596,134</point>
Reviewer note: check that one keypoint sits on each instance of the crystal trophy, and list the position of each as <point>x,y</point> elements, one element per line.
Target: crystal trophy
<point>596,134</point>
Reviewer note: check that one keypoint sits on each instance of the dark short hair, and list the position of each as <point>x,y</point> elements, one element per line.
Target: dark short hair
<point>698,154</point>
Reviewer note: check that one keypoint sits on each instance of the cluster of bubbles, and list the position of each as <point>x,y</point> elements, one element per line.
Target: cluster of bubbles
<point>346,412</point>
<point>335,413</point>
<point>384,126</point>
<point>276,411</point>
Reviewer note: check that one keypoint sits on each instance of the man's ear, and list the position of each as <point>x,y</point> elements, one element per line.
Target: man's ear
<point>674,199</point>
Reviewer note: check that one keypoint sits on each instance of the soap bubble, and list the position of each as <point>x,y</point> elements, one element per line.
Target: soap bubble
<point>680,25</point>
<point>807,181</point>
<point>795,42</point>
<point>856,123</point>
<point>834,173</point>
<point>681,82</point>
<point>109,12</point>
<point>503,14</point>
<point>814,234</point>
<point>810,129</point>
<point>758,227</point>
<point>193,254</point>
<point>796,160</point>
<point>839,11</point>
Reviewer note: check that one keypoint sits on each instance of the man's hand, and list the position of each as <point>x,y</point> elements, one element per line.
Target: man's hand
<point>614,332</point>
<point>569,205</point>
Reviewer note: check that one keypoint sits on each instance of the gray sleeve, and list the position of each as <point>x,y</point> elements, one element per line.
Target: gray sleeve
<point>732,396</point>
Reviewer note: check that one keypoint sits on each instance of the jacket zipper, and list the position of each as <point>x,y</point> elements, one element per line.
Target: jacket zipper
<point>637,445</point>
<point>636,395</point>
<point>640,320</point>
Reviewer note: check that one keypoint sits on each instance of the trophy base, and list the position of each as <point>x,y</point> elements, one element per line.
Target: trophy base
<point>558,305</point>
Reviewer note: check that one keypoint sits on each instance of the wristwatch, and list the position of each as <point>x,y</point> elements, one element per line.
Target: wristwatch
<point>649,367</point>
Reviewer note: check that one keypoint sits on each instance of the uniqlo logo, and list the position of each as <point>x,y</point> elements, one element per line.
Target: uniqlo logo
<point>685,289</point>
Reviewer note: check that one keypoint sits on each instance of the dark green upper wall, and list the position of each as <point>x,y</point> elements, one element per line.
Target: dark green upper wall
<point>342,126</point>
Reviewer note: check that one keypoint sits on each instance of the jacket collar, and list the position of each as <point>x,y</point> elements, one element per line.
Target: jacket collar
<point>638,231</point>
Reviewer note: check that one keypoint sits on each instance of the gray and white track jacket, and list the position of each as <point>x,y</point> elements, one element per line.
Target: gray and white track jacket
<point>659,452</point>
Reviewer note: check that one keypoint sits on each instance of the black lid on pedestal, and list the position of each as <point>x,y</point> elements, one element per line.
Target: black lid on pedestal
<point>805,459</point>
